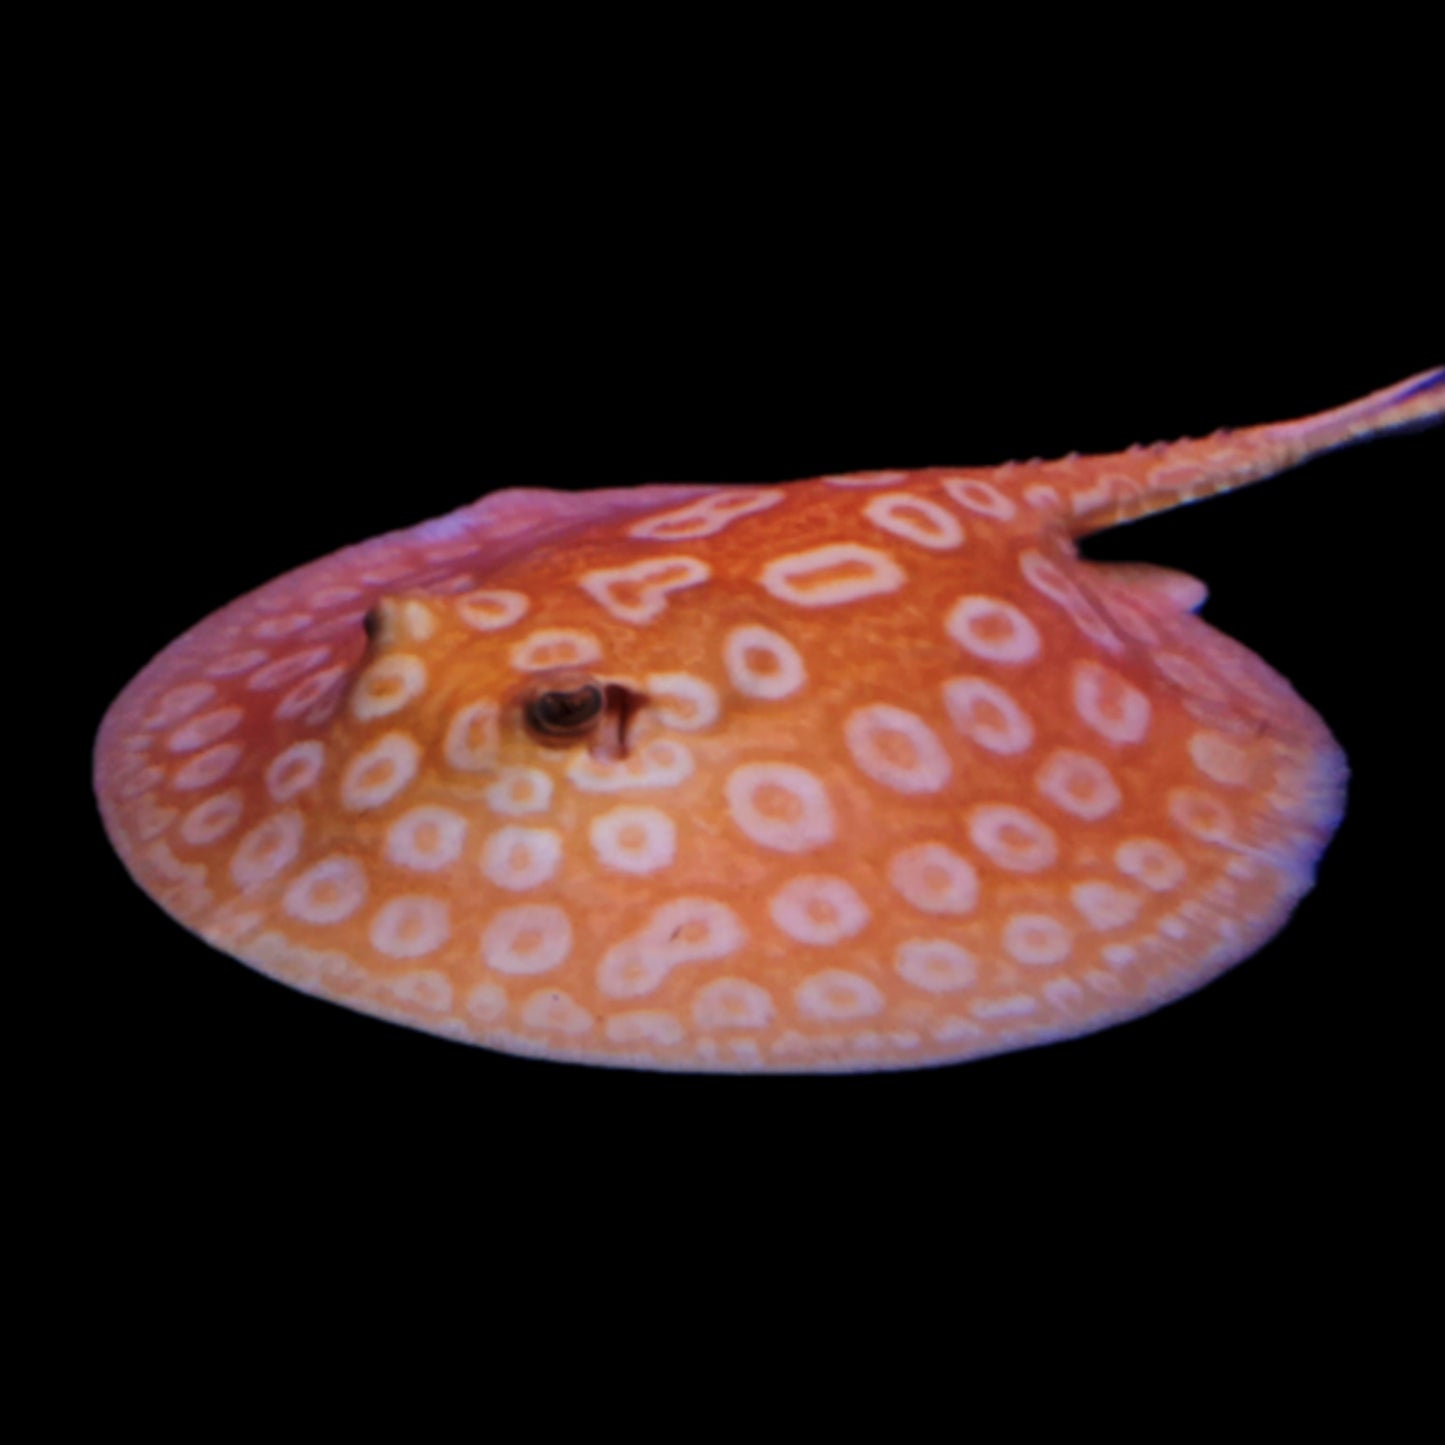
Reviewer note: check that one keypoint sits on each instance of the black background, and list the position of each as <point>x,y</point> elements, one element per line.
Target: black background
<point>296,347</point>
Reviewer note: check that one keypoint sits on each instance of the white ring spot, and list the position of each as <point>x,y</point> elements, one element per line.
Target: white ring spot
<point>780,806</point>
<point>199,732</point>
<point>311,690</point>
<point>1037,939</point>
<point>686,930</point>
<point>897,748</point>
<point>388,685</point>
<point>208,767</point>
<point>179,703</point>
<point>1050,579</point>
<point>487,1003</point>
<point>1201,814</point>
<point>378,773</point>
<point>987,715</point>
<point>426,838</point>
<point>833,573</point>
<point>531,938</point>
<point>234,663</point>
<point>519,858</point>
<point>638,593</point>
<point>269,629</point>
<point>763,663</point>
<point>327,892</point>
<point>819,910</point>
<point>411,926</point>
<point>1013,838</point>
<point>937,965</point>
<point>835,994</point>
<point>934,879</point>
<point>1148,861</point>
<point>1112,706</point>
<point>732,1003</point>
<point>644,1026</point>
<point>662,763</point>
<point>267,849</point>
<point>980,497</point>
<point>865,479</point>
<point>1220,759</point>
<point>703,517</point>
<point>634,839</point>
<point>681,700</point>
<point>552,1010</point>
<point>915,519</point>
<point>1105,906</point>
<point>472,738</point>
<point>520,791</point>
<point>1079,784</point>
<point>491,609</point>
<point>1009,1006</point>
<point>287,669</point>
<point>993,629</point>
<point>210,821</point>
<point>555,647</point>
<point>295,769</point>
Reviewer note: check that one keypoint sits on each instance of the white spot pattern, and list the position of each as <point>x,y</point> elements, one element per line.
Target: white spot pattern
<point>491,609</point>
<point>685,930</point>
<point>993,629</point>
<point>553,1011</point>
<point>987,715</point>
<point>207,768</point>
<point>378,773</point>
<point>327,892</point>
<point>201,731</point>
<point>1110,704</point>
<point>295,769</point>
<point>732,1003</point>
<point>980,497</point>
<point>936,965</point>
<point>818,909</point>
<point>634,839</point>
<point>179,703</point>
<point>781,806</point>
<point>762,663</point>
<point>661,763</point>
<point>831,574</point>
<point>1012,837</point>
<point>915,519</point>
<point>309,691</point>
<point>518,858</point>
<point>837,995</point>
<point>426,838</point>
<point>268,849</point>
<point>210,821</point>
<point>644,1026</point>
<point>411,926</point>
<point>287,669</point>
<point>235,663</point>
<point>1151,862</point>
<point>1103,905</point>
<point>705,516</point>
<point>639,592</point>
<point>865,479</point>
<point>1200,814</point>
<point>897,748</point>
<point>934,879</point>
<point>472,738</point>
<point>1220,759</point>
<point>520,791</point>
<point>530,938</point>
<point>1079,784</point>
<point>388,685</point>
<point>1046,577</point>
<point>681,700</point>
<point>555,647</point>
<point>1037,939</point>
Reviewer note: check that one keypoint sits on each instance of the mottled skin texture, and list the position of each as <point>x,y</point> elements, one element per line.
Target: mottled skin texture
<point>887,776</point>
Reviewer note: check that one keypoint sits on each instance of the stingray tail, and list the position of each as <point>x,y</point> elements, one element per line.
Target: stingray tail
<point>1150,479</point>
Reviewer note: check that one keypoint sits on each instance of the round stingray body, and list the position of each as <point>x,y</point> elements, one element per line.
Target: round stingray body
<point>860,772</point>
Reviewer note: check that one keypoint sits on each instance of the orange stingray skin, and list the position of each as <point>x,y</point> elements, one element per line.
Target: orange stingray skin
<point>887,775</point>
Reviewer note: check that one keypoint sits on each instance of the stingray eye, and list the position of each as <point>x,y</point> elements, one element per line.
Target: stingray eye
<point>565,714</point>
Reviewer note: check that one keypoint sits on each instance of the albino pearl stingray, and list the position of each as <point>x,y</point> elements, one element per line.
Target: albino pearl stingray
<point>861,772</point>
